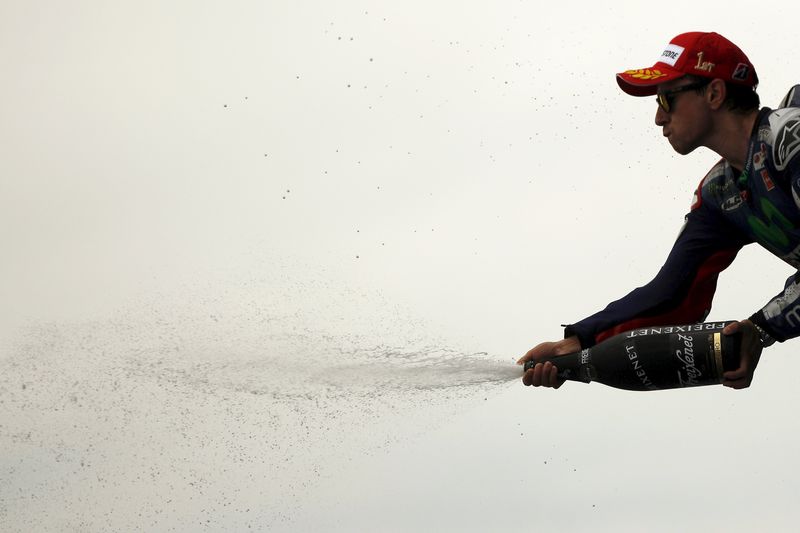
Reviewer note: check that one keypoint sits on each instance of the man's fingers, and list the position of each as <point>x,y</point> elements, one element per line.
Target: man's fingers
<point>554,381</point>
<point>742,383</point>
<point>542,375</point>
<point>533,376</point>
<point>527,378</point>
<point>547,373</point>
<point>731,328</point>
<point>732,375</point>
<point>539,374</point>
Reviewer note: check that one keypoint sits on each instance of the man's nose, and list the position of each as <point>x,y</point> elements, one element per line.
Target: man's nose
<point>661,116</point>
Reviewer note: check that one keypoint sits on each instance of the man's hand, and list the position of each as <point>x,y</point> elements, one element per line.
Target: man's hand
<point>546,374</point>
<point>748,356</point>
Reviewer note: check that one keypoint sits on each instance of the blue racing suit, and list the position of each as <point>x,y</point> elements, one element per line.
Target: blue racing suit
<point>731,209</point>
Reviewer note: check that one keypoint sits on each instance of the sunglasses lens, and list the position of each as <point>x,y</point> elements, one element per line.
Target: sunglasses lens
<point>663,101</point>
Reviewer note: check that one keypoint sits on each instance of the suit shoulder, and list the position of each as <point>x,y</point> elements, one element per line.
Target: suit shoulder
<point>714,183</point>
<point>782,130</point>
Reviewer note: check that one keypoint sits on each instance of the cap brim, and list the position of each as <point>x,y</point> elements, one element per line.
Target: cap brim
<point>644,82</point>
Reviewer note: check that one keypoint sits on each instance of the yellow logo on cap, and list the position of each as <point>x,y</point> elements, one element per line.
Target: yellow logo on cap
<point>708,66</point>
<point>645,74</point>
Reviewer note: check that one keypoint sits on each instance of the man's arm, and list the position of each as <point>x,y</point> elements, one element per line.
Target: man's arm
<point>780,318</point>
<point>681,292</point>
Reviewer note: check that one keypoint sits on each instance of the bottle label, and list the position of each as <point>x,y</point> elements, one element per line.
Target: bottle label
<point>661,330</point>
<point>638,368</point>
<point>690,370</point>
<point>664,357</point>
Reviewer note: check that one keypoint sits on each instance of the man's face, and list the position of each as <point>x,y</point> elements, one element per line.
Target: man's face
<point>687,123</point>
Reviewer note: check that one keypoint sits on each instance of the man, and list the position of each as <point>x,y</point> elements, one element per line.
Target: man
<point>705,89</point>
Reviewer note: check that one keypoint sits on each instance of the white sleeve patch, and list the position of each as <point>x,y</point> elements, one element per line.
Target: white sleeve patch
<point>791,98</point>
<point>785,125</point>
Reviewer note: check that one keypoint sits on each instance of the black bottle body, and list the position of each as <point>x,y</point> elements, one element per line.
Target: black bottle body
<point>655,358</point>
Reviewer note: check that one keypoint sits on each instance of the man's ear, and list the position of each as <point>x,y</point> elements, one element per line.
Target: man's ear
<point>716,93</point>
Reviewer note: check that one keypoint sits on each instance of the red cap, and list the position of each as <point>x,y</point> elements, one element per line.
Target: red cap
<point>703,54</point>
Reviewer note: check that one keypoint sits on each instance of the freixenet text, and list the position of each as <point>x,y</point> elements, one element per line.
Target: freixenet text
<point>691,328</point>
<point>638,369</point>
<point>686,357</point>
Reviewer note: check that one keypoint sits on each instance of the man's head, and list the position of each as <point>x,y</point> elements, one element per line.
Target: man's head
<point>702,82</point>
<point>698,57</point>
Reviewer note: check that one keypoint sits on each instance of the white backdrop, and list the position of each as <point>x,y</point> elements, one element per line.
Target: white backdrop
<point>465,173</point>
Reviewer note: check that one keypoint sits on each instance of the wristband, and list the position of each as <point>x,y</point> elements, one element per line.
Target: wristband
<point>765,338</point>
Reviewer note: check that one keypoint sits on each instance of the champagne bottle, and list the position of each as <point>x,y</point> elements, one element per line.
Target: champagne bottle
<point>654,358</point>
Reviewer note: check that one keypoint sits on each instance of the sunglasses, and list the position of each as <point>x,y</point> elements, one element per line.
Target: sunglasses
<point>666,99</point>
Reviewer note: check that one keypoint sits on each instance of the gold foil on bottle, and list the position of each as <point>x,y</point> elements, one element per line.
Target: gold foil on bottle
<point>718,354</point>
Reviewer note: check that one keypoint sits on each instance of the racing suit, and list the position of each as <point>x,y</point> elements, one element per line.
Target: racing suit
<point>730,209</point>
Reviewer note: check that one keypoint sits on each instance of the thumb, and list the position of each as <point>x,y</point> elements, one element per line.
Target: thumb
<point>540,350</point>
<point>731,328</point>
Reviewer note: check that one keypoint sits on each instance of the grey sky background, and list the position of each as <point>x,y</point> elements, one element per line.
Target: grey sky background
<point>462,172</point>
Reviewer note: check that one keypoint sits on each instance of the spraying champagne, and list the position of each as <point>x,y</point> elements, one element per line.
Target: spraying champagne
<point>654,358</point>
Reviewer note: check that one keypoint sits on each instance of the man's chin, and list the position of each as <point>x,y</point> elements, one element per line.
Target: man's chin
<point>682,149</point>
